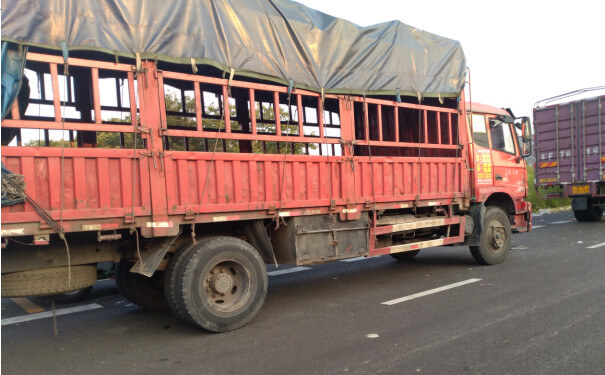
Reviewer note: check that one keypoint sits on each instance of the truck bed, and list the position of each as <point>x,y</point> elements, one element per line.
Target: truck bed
<point>399,155</point>
<point>569,142</point>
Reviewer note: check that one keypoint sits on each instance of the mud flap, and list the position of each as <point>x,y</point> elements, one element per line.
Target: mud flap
<point>151,258</point>
<point>579,203</point>
<point>477,213</point>
<point>257,236</point>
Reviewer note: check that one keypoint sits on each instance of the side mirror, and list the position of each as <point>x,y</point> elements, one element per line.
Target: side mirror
<point>526,149</point>
<point>526,135</point>
<point>526,129</point>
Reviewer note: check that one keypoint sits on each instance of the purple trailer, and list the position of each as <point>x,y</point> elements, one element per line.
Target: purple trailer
<point>570,152</point>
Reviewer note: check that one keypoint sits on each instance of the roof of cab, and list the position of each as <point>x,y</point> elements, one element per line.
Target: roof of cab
<point>484,108</point>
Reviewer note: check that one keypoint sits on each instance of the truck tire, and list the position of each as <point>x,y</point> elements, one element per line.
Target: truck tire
<point>495,239</point>
<point>405,255</point>
<point>47,281</point>
<point>172,292</point>
<point>75,296</point>
<point>147,292</point>
<point>592,213</point>
<point>222,285</point>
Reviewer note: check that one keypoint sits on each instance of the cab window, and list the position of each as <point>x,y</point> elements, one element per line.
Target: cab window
<point>479,130</point>
<point>502,138</point>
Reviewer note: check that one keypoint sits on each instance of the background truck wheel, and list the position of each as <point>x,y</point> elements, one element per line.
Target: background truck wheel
<point>222,285</point>
<point>405,255</point>
<point>75,296</point>
<point>47,281</point>
<point>147,292</point>
<point>592,213</point>
<point>494,242</point>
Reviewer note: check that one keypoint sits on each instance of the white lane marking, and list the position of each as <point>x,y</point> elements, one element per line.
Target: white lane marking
<point>431,291</point>
<point>354,259</point>
<point>289,270</point>
<point>537,226</point>
<point>597,245</point>
<point>48,314</point>
<point>105,280</point>
<point>561,222</point>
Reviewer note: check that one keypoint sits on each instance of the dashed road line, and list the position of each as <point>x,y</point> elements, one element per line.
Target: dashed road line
<point>537,226</point>
<point>287,270</point>
<point>561,222</point>
<point>27,305</point>
<point>48,314</point>
<point>597,245</point>
<point>353,259</point>
<point>428,292</point>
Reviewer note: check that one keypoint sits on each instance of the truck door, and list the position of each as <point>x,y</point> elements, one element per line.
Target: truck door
<point>482,157</point>
<point>509,171</point>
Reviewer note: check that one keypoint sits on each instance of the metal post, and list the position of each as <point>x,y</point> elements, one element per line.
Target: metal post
<point>573,171</point>
<point>584,135</point>
<point>557,141</point>
<point>600,141</point>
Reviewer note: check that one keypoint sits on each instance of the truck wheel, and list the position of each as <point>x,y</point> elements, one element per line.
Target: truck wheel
<point>405,255</point>
<point>222,285</point>
<point>172,292</point>
<point>147,292</point>
<point>593,213</point>
<point>494,242</point>
<point>72,297</point>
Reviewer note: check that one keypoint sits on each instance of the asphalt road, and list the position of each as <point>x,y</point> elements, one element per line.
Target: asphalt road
<point>540,312</point>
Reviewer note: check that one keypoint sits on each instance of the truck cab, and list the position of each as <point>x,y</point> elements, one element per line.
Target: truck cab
<point>497,158</point>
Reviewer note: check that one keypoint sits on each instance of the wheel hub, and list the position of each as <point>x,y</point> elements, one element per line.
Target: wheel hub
<point>221,283</point>
<point>498,236</point>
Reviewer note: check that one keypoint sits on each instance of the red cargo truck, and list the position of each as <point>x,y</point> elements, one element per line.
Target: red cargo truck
<point>570,152</point>
<point>191,180</point>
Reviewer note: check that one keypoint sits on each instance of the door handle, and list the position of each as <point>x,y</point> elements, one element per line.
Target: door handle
<point>499,177</point>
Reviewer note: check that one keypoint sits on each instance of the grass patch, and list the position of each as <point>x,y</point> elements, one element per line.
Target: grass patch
<point>534,199</point>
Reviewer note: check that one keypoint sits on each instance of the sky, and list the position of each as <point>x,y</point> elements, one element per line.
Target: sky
<point>518,52</point>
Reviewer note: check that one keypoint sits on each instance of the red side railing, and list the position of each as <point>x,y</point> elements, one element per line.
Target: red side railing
<point>281,153</point>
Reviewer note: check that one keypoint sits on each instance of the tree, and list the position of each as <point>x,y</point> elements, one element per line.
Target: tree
<point>211,120</point>
<point>51,143</point>
<point>267,126</point>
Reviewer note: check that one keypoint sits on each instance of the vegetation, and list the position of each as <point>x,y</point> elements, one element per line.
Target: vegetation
<point>173,104</point>
<point>535,200</point>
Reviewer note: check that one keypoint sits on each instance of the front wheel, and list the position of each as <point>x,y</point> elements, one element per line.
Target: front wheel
<point>222,284</point>
<point>495,239</point>
<point>405,256</point>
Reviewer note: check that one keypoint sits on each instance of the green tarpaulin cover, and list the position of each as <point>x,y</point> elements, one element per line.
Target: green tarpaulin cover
<point>281,39</point>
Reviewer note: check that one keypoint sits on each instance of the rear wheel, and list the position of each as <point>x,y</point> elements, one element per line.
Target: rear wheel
<point>221,284</point>
<point>592,213</point>
<point>406,255</point>
<point>147,292</point>
<point>172,292</point>
<point>494,242</point>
